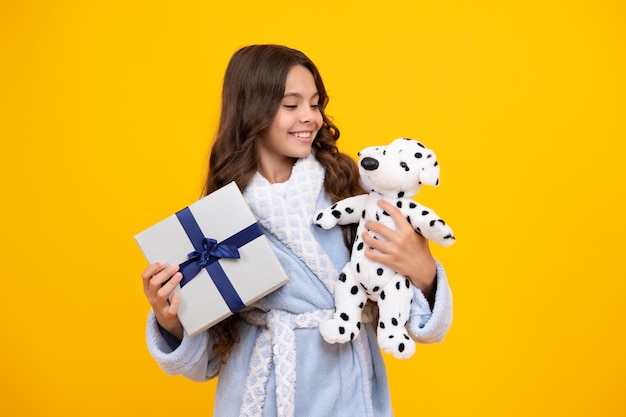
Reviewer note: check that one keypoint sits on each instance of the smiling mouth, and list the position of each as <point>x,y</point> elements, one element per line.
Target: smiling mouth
<point>301,135</point>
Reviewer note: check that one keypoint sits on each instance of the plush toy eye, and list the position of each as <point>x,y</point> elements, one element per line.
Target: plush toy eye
<point>418,155</point>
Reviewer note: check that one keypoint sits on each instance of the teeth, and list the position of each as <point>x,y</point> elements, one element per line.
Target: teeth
<point>302,134</point>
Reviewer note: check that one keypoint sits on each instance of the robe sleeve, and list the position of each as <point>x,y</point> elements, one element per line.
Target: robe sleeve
<point>430,326</point>
<point>192,357</point>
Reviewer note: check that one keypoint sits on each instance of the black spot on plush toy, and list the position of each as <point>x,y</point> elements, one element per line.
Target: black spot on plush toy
<point>394,173</point>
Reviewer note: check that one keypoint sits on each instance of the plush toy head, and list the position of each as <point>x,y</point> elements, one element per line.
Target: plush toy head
<point>384,169</point>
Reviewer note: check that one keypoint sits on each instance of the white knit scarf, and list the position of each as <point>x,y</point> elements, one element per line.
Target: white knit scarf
<point>289,218</point>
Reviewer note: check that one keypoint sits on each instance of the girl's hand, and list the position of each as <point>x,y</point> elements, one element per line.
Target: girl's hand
<point>405,251</point>
<point>154,277</point>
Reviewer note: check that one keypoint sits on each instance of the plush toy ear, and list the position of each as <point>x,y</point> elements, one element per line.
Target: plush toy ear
<point>430,170</point>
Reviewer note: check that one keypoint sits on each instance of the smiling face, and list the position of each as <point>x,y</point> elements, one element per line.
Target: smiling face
<point>291,134</point>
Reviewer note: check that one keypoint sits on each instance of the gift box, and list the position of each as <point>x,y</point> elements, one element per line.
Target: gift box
<point>226,260</point>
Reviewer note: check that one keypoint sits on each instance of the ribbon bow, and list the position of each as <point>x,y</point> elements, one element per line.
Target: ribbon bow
<point>213,251</point>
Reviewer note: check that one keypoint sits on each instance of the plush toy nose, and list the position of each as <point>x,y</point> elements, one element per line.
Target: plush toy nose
<point>369,164</point>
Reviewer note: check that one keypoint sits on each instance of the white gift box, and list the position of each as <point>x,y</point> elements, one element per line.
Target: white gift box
<point>202,238</point>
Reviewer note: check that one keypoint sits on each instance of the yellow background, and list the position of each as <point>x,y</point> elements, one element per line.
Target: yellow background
<point>107,109</point>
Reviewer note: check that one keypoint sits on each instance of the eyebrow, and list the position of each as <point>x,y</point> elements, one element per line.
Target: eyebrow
<point>299,95</point>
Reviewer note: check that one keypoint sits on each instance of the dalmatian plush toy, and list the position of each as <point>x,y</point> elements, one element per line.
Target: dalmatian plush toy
<point>394,173</point>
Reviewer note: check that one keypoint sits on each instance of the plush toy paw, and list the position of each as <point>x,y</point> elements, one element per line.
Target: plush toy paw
<point>346,211</point>
<point>394,309</point>
<point>325,218</point>
<point>397,343</point>
<point>337,330</point>
<point>439,232</point>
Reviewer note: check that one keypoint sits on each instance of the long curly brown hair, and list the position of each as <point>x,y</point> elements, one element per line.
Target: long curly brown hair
<point>254,85</point>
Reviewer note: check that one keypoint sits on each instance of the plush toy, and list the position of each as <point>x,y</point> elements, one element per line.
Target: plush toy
<point>394,173</point>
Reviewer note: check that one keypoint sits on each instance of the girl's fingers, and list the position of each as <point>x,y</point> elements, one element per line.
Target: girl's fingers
<point>151,270</point>
<point>402,225</point>
<point>380,245</point>
<point>174,303</point>
<point>166,289</point>
<point>160,284</point>
<point>396,215</point>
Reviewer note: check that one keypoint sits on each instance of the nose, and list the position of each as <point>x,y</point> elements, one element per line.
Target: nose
<point>369,163</point>
<point>307,114</point>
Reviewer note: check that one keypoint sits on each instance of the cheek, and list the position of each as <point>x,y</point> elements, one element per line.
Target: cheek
<point>318,119</point>
<point>282,123</point>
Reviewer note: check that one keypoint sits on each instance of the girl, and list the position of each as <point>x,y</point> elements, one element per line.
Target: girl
<point>276,142</point>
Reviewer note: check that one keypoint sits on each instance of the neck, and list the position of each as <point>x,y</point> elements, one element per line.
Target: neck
<point>277,171</point>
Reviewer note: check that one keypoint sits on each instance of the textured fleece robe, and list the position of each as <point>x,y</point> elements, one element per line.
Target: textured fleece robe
<point>332,380</point>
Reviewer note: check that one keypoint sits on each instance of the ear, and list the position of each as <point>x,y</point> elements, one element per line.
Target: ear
<point>429,174</point>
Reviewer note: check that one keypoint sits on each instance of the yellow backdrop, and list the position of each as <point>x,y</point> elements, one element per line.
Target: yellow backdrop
<point>107,109</point>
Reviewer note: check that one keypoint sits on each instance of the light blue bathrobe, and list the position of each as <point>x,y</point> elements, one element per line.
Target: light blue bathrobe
<point>332,380</point>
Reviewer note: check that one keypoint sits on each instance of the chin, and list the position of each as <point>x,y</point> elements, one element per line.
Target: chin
<point>302,155</point>
<point>303,152</point>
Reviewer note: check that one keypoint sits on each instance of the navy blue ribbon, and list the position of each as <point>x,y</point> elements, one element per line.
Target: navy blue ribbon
<point>208,252</point>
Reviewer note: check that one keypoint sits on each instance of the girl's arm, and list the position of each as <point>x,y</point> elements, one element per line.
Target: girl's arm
<point>192,357</point>
<point>175,352</point>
